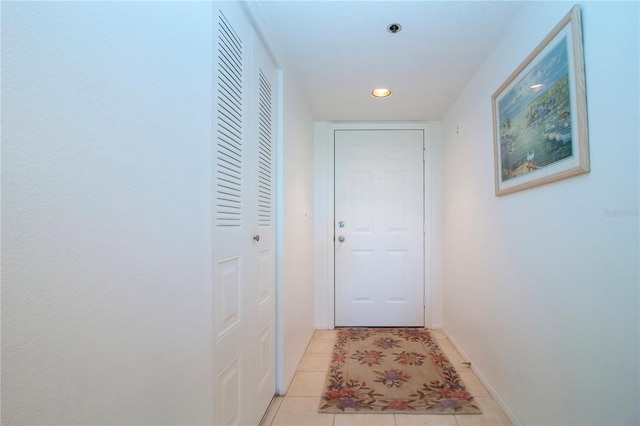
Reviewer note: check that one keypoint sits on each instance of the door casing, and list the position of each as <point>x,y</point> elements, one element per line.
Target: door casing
<point>324,213</point>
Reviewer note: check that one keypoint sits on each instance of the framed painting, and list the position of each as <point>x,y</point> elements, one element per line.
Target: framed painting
<point>540,113</point>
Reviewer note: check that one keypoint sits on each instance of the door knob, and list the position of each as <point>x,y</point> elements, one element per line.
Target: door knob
<point>256,238</point>
<point>341,238</point>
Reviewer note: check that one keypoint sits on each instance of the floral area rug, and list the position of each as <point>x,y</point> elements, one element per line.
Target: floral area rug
<point>392,370</point>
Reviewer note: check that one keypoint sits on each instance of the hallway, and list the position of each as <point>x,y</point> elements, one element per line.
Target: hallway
<point>300,405</point>
<point>117,182</point>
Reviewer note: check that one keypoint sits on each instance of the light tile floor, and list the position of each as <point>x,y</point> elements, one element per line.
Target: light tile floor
<point>299,407</point>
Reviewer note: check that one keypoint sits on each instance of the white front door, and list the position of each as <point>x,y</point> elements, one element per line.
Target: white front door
<point>379,228</point>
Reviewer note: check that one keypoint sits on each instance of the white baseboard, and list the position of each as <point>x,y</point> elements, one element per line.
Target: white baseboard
<point>505,408</point>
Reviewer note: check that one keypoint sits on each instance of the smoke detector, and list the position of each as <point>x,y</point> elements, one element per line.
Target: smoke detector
<point>394,28</point>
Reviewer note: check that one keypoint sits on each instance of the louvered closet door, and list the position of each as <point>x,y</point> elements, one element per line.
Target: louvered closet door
<point>232,230</point>
<point>263,100</point>
<point>243,243</point>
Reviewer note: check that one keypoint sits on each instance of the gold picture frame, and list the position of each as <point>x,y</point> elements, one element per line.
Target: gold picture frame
<point>540,113</point>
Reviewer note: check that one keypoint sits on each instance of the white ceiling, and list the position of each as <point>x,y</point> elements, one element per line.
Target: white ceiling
<point>340,50</point>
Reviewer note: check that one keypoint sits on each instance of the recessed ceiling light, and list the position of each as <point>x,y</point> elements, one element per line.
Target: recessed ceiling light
<point>382,92</point>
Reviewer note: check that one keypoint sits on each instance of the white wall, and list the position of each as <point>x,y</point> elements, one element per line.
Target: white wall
<point>297,268</point>
<point>541,286</point>
<point>106,180</point>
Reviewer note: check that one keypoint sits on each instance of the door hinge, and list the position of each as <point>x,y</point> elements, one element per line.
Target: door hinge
<point>424,155</point>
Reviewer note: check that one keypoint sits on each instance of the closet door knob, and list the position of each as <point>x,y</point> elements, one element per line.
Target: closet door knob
<point>256,238</point>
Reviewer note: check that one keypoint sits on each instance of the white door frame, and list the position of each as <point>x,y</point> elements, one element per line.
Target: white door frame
<point>324,217</point>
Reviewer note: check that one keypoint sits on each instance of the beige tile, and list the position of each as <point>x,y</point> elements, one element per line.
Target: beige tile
<point>299,411</point>
<point>491,415</point>
<point>307,383</point>
<point>442,339</point>
<point>315,362</point>
<point>457,362</point>
<point>271,411</point>
<point>356,419</point>
<point>446,346</point>
<point>320,346</point>
<point>438,334</point>
<point>425,420</point>
<point>325,334</point>
<point>473,384</point>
